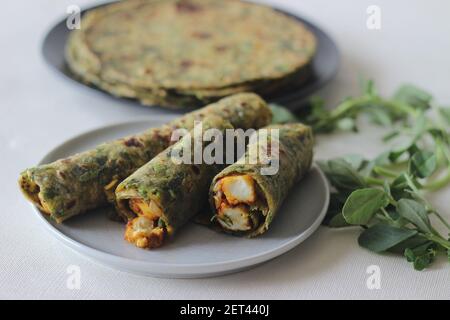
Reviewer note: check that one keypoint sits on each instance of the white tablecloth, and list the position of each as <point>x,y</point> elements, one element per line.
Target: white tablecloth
<point>40,109</point>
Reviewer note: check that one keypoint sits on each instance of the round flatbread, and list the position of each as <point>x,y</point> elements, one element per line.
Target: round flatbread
<point>193,49</point>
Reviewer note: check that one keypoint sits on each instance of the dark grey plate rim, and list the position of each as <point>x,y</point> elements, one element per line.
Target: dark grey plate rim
<point>324,66</point>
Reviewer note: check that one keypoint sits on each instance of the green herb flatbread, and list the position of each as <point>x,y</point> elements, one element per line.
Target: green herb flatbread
<point>86,180</point>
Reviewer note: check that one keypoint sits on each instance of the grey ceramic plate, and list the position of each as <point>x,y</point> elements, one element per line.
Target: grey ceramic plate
<point>324,66</point>
<point>196,251</point>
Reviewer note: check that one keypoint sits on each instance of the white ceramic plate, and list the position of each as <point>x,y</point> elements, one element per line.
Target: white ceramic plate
<point>196,251</point>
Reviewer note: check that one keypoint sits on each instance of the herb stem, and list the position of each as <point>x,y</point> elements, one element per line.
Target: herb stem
<point>398,165</point>
<point>386,214</point>
<point>437,239</point>
<point>383,217</point>
<point>444,222</point>
<point>430,207</point>
<point>411,184</point>
<point>405,172</point>
<point>385,172</point>
<point>440,122</point>
<point>439,183</point>
<point>354,104</point>
<point>374,181</point>
<point>393,201</point>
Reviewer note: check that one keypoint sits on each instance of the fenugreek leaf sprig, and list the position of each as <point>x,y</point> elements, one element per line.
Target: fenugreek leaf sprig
<point>385,195</point>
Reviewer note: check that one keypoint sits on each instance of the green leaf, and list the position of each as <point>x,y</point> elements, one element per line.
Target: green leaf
<point>445,114</point>
<point>381,160</point>
<point>413,149</point>
<point>281,115</point>
<point>391,135</point>
<point>419,125</point>
<point>341,175</point>
<point>369,88</point>
<point>362,204</point>
<point>413,96</point>
<point>402,149</point>
<point>319,116</point>
<point>355,160</point>
<point>381,117</point>
<point>422,262</point>
<point>382,237</point>
<point>421,256</point>
<point>391,211</point>
<point>415,213</point>
<point>387,188</point>
<point>409,243</point>
<point>424,248</point>
<point>317,105</point>
<point>409,254</point>
<point>334,217</point>
<point>400,187</point>
<point>337,201</point>
<point>347,124</point>
<point>398,151</point>
<point>438,133</point>
<point>338,221</point>
<point>422,164</point>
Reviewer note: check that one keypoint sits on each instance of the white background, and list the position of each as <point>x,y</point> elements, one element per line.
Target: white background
<point>40,109</point>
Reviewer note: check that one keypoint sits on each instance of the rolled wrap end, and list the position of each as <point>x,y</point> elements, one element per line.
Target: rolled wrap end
<point>31,190</point>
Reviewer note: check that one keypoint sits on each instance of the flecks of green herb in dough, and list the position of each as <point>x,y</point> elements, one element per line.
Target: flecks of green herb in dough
<point>142,191</point>
<point>50,193</point>
<point>161,223</point>
<point>101,160</point>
